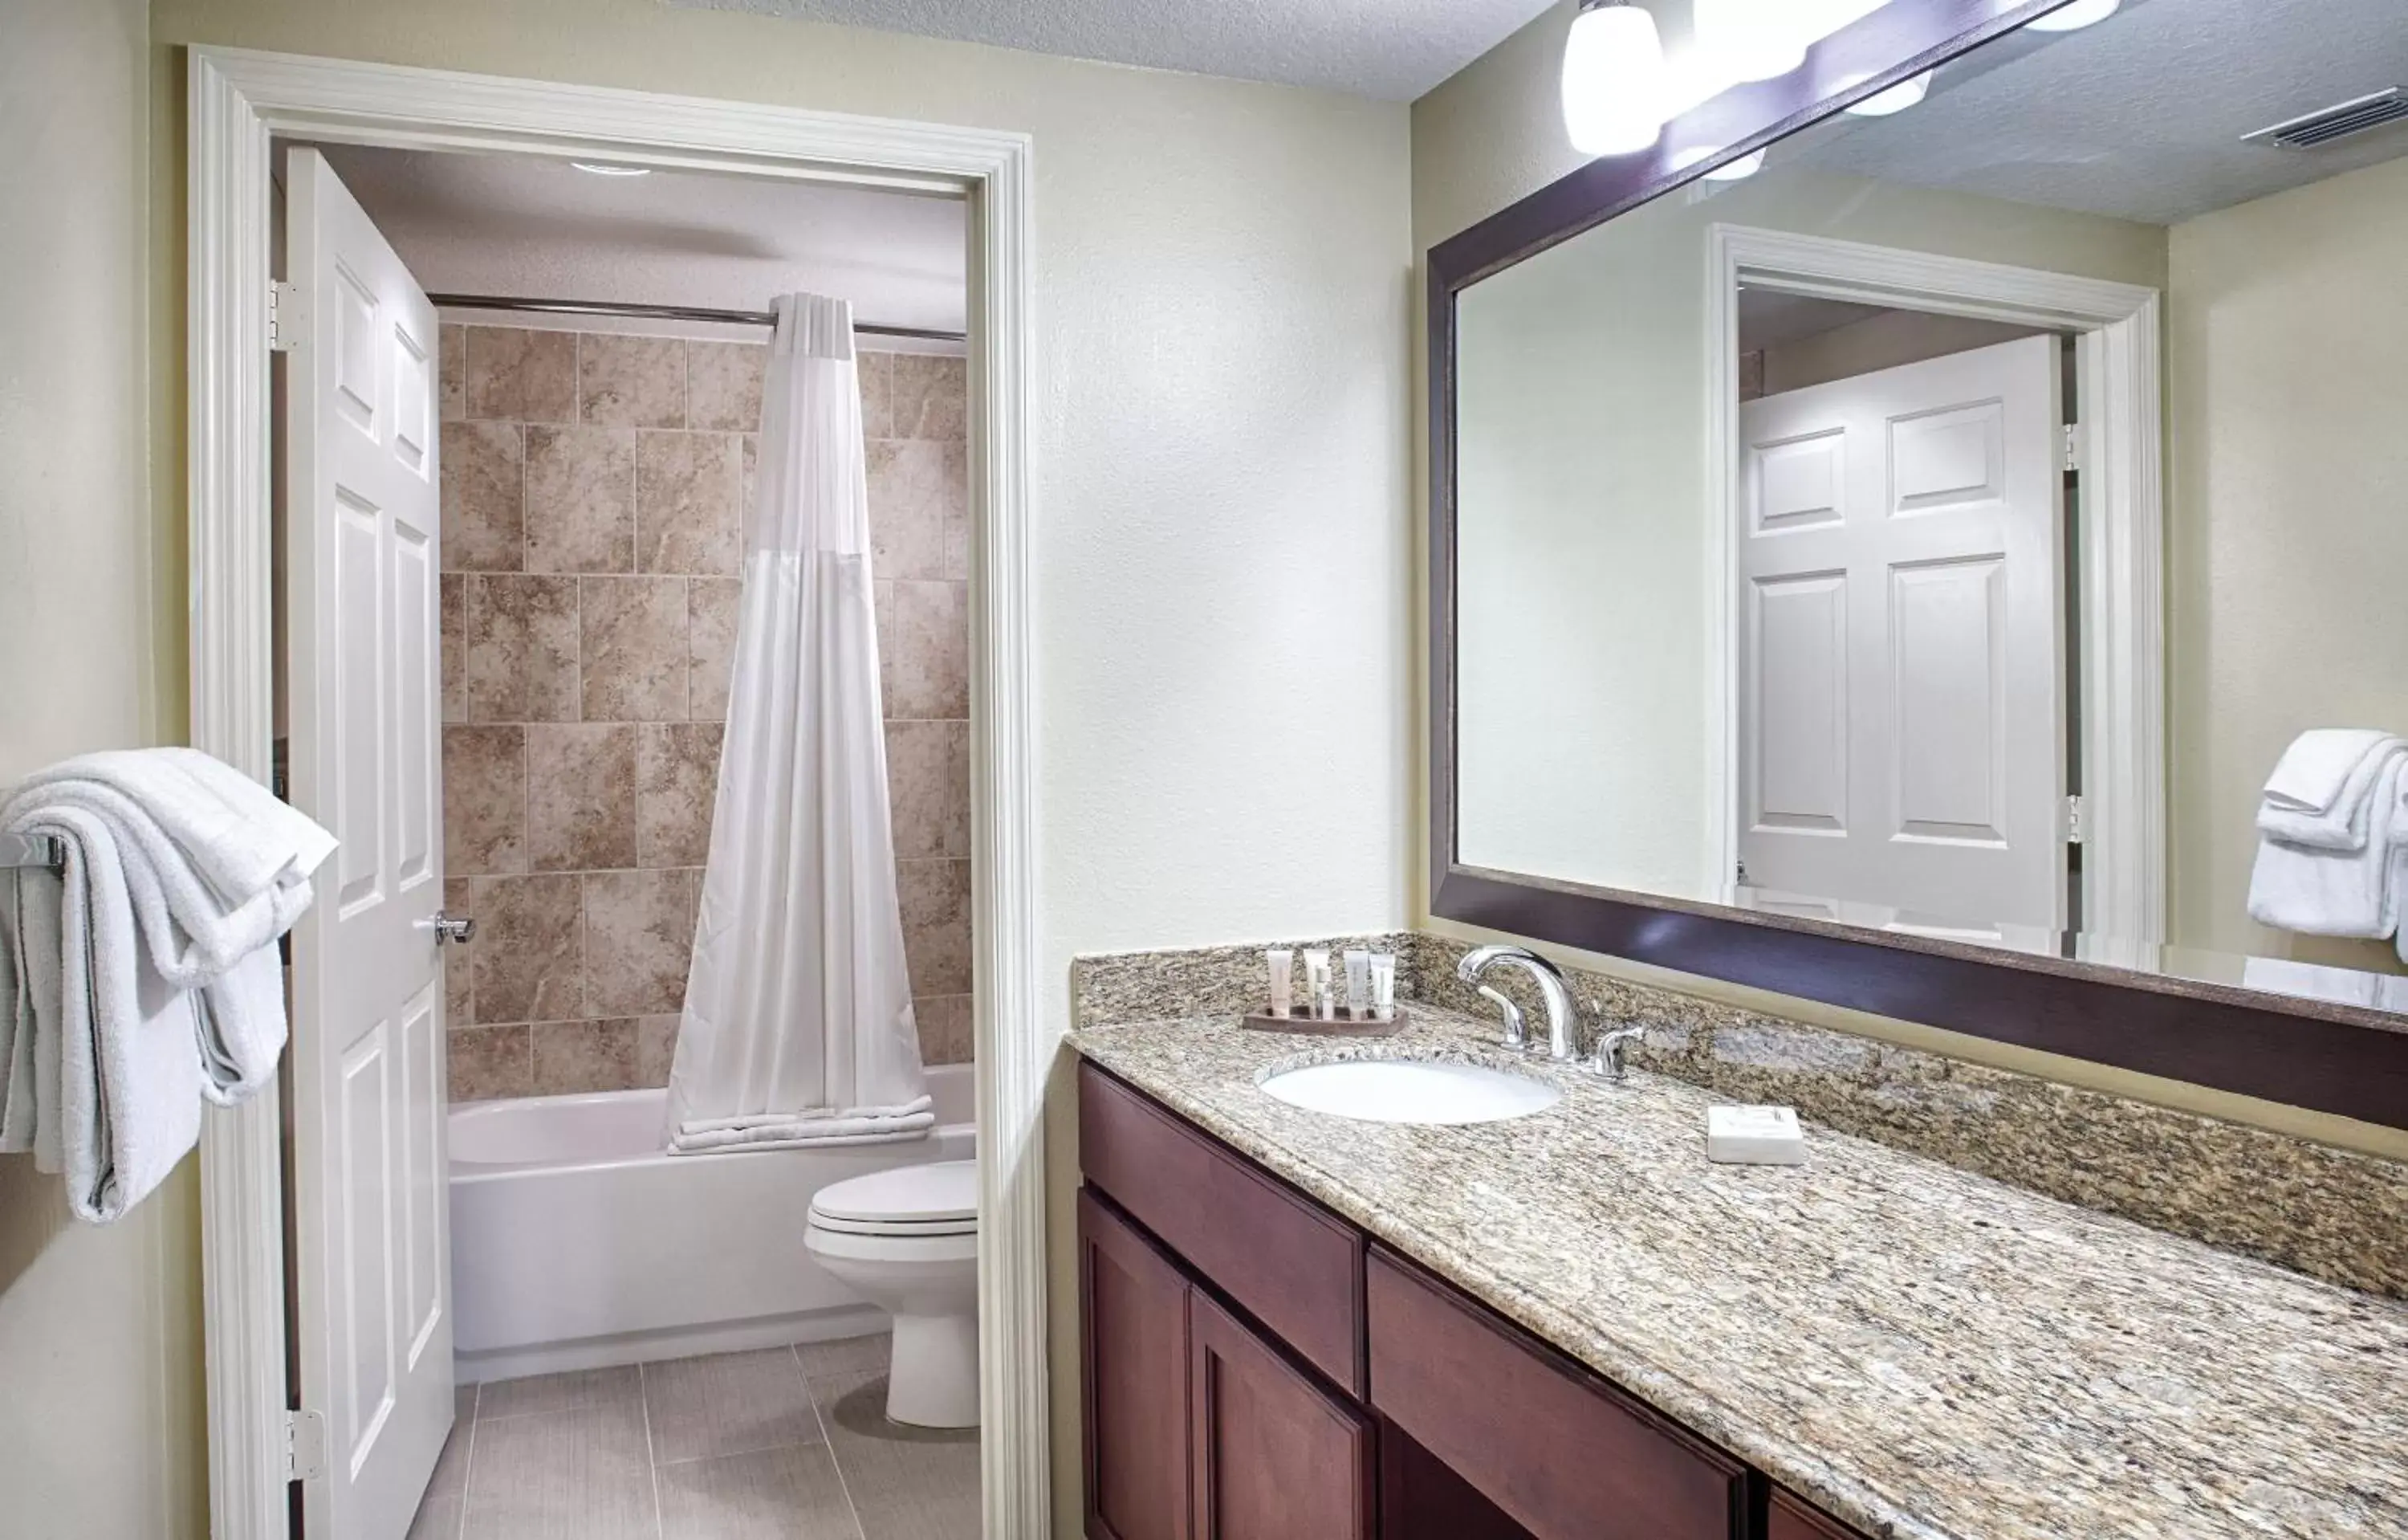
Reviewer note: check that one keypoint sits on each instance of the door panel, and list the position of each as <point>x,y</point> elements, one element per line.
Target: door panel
<point>372,1296</point>
<point>1133,1321</point>
<point>1277,1457</point>
<point>1902,720</point>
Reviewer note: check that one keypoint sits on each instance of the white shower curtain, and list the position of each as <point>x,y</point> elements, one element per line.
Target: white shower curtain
<point>797,1022</point>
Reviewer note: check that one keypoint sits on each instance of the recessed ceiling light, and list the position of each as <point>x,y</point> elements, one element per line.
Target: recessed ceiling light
<point>603,168</point>
<point>1898,98</point>
<point>1738,170</point>
<point>2072,18</point>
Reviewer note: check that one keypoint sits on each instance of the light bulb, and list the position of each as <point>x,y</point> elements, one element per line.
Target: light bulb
<point>1738,170</point>
<point>1898,98</point>
<point>1752,39</point>
<point>2073,18</point>
<point>1614,80</point>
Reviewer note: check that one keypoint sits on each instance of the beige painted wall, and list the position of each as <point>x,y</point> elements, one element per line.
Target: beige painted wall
<point>1491,135</point>
<point>1221,525</point>
<point>2286,326</point>
<point>100,1423</point>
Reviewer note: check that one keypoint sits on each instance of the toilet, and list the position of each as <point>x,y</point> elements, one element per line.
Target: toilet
<point>907,1240</point>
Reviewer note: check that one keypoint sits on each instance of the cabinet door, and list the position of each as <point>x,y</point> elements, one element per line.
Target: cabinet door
<point>1276,1457</point>
<point>1133,1338</point>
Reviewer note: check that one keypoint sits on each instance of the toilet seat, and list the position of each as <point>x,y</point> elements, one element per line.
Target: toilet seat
<point>934,1200</point>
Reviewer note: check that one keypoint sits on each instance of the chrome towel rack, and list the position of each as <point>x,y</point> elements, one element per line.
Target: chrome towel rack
<point>41,850</point>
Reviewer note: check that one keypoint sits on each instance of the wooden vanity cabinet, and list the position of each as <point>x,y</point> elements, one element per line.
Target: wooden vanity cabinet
<point>1253,1370</point>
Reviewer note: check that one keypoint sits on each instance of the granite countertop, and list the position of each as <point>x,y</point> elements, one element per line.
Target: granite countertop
<point>1923,1352</point>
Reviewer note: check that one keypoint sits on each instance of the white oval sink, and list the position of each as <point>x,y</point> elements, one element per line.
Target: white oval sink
<point>1412,1090</point>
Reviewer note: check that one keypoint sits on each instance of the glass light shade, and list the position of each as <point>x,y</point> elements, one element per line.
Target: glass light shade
<point>1614,80</point>
<point>2072,18</point>
<point>1898,98</point>
<point>1738,170</point>
<point>1752,40</point>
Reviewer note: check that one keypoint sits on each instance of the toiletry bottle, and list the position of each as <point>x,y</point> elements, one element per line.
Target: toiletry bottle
<point>1383,986</point>
<point>1358,984</point>
<point>1281,960</point>
<point>1316,983</point>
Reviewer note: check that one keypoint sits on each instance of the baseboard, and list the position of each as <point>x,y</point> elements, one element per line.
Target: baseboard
<point>685,1342</point>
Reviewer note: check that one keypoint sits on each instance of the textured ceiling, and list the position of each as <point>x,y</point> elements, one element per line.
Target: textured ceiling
<point>2142,116</point>
<point>1391,49</point>
<point>536,229</point>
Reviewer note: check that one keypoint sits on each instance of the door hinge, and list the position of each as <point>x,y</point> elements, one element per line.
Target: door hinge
<point>2073,446</point>
<point>288,318</point>
<point>2074,829</point>
<point>305,1446</point>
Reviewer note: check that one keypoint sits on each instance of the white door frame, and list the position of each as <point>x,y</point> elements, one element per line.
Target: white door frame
<point>239,100</point>
<point>2122,554</point>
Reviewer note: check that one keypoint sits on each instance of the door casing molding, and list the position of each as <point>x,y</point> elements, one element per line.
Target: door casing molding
<point>238,101</point>
<point>2121,559</point>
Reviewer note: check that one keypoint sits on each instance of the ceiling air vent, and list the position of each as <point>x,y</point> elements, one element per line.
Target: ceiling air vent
<point>2339,122</point>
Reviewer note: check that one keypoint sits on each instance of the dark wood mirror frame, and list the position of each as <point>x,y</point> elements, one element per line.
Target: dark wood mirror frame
<point>2328,1057</point>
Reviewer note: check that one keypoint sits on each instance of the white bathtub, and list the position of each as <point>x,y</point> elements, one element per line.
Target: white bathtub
<point>576,1244</point>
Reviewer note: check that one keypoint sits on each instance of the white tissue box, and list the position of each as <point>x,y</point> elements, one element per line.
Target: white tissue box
<point>1755,1136</point>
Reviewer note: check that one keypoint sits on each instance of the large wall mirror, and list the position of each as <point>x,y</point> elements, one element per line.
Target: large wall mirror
<point>1976,526</point>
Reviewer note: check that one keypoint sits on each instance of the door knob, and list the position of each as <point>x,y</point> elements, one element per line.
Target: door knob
<point>450,928</point>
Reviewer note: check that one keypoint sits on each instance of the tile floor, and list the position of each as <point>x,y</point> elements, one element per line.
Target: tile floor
<point>785,1444</point>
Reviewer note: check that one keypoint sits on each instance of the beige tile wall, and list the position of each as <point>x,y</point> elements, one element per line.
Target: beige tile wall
<point>593,488</point>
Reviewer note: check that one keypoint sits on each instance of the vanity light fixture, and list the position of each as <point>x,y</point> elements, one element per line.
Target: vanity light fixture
<point>1898,98</point>
<point>1752,40</point>
<point>2073,18</point>
<point>1613,78</point>
<point>604,169</point>
<point>1738,170</point>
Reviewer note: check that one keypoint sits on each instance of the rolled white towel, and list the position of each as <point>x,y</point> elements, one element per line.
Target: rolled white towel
<point>2322,788</point>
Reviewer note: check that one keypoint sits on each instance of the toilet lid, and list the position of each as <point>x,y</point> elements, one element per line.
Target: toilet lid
<point>932,1200</point>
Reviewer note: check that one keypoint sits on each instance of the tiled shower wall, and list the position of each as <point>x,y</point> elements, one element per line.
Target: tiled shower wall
<point>594,490</point>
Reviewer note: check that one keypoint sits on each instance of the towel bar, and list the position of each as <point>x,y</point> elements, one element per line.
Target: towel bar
<point>46,850</point>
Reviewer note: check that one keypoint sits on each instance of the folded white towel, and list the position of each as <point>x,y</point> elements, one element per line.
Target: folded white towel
<point>2323,788</point>
<point>238,1026</point>
<point>2335,892</point>
<point>820,1126</point>
<point>235,833</point>
<point>115,1094</point>
<point>195,932</point>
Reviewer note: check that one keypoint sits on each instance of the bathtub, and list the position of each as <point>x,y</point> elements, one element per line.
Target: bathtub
<point>576,1243</point>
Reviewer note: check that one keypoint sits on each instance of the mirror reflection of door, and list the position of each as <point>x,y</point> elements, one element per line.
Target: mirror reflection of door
<point>1901,655</point>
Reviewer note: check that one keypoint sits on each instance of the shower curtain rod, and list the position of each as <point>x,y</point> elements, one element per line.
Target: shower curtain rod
<point>667,312</point>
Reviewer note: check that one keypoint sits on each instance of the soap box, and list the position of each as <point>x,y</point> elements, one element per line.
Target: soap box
<point>1755,1136</point>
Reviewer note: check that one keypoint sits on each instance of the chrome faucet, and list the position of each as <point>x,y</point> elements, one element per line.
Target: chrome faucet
<point>1562,1018</point>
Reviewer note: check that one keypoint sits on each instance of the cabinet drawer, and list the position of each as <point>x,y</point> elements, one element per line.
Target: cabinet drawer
<point>1793,1519</point>
<point>1565,1455</point>
<point>1297,1270</point>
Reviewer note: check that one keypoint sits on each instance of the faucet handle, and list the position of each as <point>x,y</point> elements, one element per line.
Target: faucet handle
<point>1613,1049</point>
<point>1517,1032</point>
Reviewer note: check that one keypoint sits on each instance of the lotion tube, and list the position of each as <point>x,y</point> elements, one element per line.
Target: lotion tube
<point>1316,979</point>
<point>1280,961</point>
<point>1383,986</point>
<point>1358,983</point>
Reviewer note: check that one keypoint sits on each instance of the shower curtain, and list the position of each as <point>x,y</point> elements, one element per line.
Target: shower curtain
<point>797,1025</point>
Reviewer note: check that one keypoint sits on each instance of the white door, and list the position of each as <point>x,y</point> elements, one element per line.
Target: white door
<point>1902,719</point>
<point>373,1298</point>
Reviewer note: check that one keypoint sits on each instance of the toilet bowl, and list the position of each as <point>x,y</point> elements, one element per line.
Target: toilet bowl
<point>907,1240</point>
